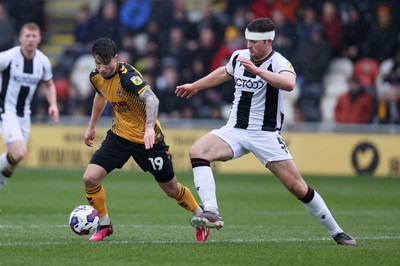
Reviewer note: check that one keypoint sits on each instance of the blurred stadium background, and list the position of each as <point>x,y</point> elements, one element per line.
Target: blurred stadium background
<point>177,41</point>
<point>330,43</point>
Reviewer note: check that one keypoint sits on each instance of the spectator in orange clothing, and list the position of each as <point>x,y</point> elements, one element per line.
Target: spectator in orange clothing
<point>288,9</point>
<point>264,8</point>
<point>354,106</point>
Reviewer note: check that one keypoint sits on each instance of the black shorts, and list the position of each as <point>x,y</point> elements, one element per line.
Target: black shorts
<point>115,151</point>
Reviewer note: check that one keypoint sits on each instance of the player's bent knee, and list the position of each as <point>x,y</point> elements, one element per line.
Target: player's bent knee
<point>194,152</point>
<point>172,194</point>
<point>17,156</point>
<point>89,181</point>
<point>299,189</point>
<point>170,191</point>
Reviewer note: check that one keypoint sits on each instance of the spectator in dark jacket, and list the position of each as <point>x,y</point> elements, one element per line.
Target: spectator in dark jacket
<point>311,61</point>
<point>381,42</point>
<point>354,32</point>
<point>107,24</point>
<point>6,29</point>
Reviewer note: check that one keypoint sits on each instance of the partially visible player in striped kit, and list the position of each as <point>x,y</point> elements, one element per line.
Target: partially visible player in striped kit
<point>261,77</point>
<point>22,69</point>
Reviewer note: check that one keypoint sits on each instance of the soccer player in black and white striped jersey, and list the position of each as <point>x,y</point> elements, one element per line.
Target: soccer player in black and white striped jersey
<point>22,69</point>
<point>261,76</point>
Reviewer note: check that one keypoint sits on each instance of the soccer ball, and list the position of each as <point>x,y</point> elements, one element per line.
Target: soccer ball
<point>84,220</point>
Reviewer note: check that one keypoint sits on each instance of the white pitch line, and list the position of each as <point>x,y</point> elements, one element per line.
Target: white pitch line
<point>118,226</point>
<point>129,242</point>
<point>13,226</point>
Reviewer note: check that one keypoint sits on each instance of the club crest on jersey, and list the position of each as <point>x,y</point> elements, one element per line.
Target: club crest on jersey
<point>119,92</point>
<point>290,66</point>
<point>136,80</point>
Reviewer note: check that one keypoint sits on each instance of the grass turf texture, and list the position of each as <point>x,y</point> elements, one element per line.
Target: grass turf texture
<point>264,224</point>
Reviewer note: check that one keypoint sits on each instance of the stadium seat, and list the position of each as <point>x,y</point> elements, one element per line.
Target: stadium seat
<point>328,104</point>
<point>80,75</point>
<point>335,84</point>
<point>335,79</point>
<point>384,68</point>
<point>342,66</point>
<point>366,70</point>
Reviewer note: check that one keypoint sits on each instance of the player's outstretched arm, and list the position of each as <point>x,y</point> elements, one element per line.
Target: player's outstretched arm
<point>213,79</point>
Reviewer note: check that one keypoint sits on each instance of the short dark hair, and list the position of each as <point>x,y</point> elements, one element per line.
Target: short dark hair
<point>30,26</point>
<point>104,49</point>
<point>261,25</point>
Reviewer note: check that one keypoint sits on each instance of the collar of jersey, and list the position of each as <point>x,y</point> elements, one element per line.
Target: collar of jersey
<point>257,63</point>
<point>115,73</point>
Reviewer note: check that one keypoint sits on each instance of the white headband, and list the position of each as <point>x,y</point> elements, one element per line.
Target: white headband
<point>259,36</point>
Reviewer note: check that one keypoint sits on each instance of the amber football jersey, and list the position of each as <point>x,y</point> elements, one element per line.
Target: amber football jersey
<point>122,92</point>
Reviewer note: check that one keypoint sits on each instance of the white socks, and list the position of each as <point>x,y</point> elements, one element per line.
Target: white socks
<point>3,161</point>
<point>105,220</point>
<point>205,186</point>
<point>206,189</point>
<point>3,164</point>
<point>319,210</point>
<point>3,180</point>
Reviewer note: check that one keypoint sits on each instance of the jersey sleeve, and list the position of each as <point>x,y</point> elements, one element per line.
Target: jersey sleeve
<point>131,79</point>
<point>48,72</point>
<point>92,74</point>
<point>5,59</point>
<point>230,66</point>
<point>282,64</point>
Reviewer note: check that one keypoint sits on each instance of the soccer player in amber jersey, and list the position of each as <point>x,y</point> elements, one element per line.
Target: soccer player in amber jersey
<point>135,133</point>
<point>261,77</point>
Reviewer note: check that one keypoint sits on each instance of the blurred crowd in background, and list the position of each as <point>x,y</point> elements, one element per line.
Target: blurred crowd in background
<point>346,53</point>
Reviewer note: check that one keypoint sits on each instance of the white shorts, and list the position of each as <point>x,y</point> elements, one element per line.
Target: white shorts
<point>265,145</point>
<point>14,128</point>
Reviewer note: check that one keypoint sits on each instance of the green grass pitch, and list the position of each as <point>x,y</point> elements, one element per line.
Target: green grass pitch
<point>264,224</point>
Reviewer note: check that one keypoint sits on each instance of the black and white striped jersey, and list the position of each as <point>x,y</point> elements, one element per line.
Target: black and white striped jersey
<point>19,79</point>
<point>257,105</point>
